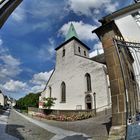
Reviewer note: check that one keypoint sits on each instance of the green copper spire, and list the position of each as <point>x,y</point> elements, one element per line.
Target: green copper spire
<point>71,32</point>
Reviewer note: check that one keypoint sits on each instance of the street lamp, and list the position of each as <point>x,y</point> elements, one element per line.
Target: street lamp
<point>94,97</point>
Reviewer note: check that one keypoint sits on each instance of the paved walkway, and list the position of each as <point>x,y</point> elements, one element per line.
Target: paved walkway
<point>3,123</point>
<point>97,127</point>
<point>23,129</point>
<point>60,134</point>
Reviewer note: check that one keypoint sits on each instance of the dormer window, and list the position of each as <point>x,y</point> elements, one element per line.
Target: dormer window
<point>63,53</point>
<point>79,49</point>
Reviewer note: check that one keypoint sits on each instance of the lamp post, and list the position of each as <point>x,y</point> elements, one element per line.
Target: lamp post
<point>94,97</point>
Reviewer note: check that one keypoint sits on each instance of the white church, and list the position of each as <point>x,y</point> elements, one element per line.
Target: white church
<point>77,82</point>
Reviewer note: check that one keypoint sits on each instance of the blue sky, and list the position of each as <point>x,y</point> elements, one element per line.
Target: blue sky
<point>35,29</point>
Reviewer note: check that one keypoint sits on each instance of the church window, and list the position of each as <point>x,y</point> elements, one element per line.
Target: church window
<point>50,90</point>
<point>79,49</point>
<point>88,82</point>
<point>85,53</point>
<point>63,92</point>
<point>63,53</point>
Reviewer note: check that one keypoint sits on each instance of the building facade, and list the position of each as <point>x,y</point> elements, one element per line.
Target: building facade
<point>127,21</point>
<point>116,30</point>
<point>2,99</point>
<point>77,83</point>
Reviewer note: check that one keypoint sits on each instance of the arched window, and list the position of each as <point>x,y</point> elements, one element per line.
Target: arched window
<point>88,82</point>
<point>50,90</point>
<point>63,92</point>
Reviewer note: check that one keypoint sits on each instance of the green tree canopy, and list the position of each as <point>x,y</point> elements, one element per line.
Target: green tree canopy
<point>30,100</point>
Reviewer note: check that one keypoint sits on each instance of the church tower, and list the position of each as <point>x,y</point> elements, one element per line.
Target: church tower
<point>71,47</point>
<point>77,83</point>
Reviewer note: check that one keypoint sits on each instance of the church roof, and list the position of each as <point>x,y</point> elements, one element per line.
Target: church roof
<point>71,32</point>
<point>72,38</point>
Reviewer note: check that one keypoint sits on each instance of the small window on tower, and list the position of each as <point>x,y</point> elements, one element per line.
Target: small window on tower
<point>85,53</point>
<point>63,53</point>
<point>79,49</point>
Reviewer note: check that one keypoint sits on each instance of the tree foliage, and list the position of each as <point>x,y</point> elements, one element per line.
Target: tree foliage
<point>30,100</point>
<point>49,102</point>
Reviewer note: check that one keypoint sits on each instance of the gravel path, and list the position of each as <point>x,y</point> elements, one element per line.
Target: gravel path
<point>24,130</point>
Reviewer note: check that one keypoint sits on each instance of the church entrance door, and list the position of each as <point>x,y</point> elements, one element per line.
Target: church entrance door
<point>88,102</point>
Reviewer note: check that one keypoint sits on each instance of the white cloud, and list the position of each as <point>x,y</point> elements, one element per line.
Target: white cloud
<point>9,60</point>
<point>96,52</point>
<point>98,46</point>
<point>47,51</point>
<point>14,86</point>
<point>40,26</point>
<point>41,78</point>
<point>1,42</point>
<point>34,15</point>
<point>43,8</point>
<point>38,88</point>
<point>9,66</point>
<point>83,30</point>
<point>97,49</point>
<point>111,7</point>
<point>87,8</point>
<point>19,15</point>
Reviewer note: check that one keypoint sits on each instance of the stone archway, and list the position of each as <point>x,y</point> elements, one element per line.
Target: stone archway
<point>120,94</point>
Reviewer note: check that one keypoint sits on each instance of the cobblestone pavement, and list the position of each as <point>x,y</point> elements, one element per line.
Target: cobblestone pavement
<point>24,130</point>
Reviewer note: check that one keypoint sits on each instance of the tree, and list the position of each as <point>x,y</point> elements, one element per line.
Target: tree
<point>30,100</point>
<point>49,102</point>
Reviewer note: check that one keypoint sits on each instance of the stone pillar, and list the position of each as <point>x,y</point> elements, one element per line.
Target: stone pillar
<point>118,96</point>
